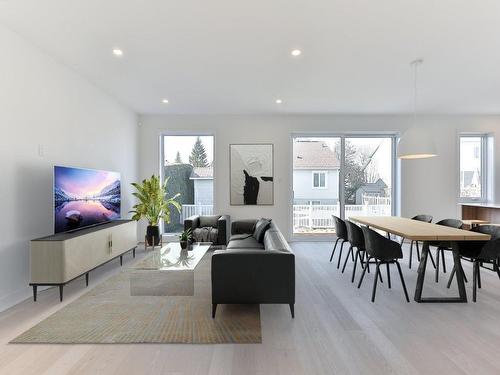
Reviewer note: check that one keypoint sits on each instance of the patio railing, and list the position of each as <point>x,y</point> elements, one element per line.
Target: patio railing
<point>195,209</point>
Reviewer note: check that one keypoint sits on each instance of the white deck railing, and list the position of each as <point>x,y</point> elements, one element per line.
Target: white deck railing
<point>195,209</point>
<point>320,216</point>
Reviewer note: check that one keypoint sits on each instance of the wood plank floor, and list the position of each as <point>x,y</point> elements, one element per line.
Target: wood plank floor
<point>337,330</point>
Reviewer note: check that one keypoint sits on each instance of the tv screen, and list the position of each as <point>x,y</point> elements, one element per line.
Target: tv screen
<point>84,197</point>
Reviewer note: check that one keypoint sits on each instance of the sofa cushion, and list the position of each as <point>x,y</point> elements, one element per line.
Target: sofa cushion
<point>260,229</point>
<point>205,234</point>
<point>209,221</point>
<point>245,243</point>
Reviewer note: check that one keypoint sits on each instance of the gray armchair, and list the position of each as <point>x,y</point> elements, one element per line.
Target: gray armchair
<point>213,228</point>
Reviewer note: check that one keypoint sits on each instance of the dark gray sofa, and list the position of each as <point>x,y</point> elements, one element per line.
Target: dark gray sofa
<point>252,272</point>
<point>218,224</point>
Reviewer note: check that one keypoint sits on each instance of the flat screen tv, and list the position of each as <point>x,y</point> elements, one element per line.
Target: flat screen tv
<point>85,197</point>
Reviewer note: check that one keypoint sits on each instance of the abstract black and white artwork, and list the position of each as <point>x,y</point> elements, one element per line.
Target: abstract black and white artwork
<point>251,174</point>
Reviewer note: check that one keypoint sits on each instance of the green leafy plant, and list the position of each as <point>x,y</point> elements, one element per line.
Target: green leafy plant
<point>187,235</point>
<point>153,202</point>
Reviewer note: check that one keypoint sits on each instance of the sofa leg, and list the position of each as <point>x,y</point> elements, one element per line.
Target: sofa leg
<point>214,309</point>
<point>292,310</point>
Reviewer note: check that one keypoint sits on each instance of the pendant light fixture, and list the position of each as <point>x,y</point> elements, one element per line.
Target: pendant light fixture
<point>416,143</point>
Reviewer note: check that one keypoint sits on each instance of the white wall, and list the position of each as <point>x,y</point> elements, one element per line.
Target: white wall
<point>76,124</point>
<point>427,186</point>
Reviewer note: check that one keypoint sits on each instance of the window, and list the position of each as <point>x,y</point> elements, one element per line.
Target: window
<point>473,167</point>
<point>319,180</point>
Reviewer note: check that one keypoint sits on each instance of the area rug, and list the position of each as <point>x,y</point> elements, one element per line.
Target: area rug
<point>108,314</point>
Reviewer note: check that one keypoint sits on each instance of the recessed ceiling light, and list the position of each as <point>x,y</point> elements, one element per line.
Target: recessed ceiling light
<point>279,101</point>
<point>117,52</point>
<point>164,101</point>
<point>296,52</point>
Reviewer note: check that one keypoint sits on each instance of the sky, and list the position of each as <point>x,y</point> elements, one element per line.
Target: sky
<point>83,182</point>
<point>184,144</point>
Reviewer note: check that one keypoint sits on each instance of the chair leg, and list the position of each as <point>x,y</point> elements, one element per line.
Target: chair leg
<point>340,253</point>
<point>443,260</point>
<point>474,280</point>
<point>452,275</point>
<point>402,281</point>
<point>334,247</point>
<point>351,251</point>
<point>375,279</point>
<point>388,276</point>
<point>430,256</point>
<point>418,252</point>
<point>363,273</point>
<point>411,254</point>
<point>358,255</point>
<point>437,264</point>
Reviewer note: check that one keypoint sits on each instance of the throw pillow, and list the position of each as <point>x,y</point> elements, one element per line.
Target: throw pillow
<point>260,229</point>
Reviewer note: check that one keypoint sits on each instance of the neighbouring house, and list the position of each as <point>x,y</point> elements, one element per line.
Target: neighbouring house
<point>315,173</point>
<point>203,179</point>
<point>371,189</point>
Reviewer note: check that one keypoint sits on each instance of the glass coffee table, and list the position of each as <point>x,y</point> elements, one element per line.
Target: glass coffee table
<point>168,271</point>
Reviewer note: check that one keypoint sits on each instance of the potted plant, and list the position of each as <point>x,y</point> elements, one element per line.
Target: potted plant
<point>153,205</point>
<point>185,238</point>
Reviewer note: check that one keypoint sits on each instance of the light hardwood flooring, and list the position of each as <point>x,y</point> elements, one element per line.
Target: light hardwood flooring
<point>337,330</point>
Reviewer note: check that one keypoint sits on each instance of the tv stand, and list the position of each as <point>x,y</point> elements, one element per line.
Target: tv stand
<point>63,257</point>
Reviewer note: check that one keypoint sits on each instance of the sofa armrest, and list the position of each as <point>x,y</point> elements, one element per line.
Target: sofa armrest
<point>243,226</point>
<point>253,276</point>
<point>223,229</point>
<point>192,222</point>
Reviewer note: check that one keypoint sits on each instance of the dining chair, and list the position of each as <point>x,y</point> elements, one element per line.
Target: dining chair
<point>356,240</point>
<point>479,252</point>
<point>442,246</point>
<point>383,251</point>
<point>341,232</point>
<point>425,219</point>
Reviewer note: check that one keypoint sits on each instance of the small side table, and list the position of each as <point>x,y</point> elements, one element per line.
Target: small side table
<point>473,223</point>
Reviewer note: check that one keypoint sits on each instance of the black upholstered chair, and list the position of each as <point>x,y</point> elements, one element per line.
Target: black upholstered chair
<point>383,251</point>
<point>341,232</point>
<point>211,228</point>
<point>356,240</point>
<point>479,252</point>
<point>442,246</point>
<point>425,219</point>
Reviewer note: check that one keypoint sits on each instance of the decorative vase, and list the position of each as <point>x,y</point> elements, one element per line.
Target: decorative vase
<point>153,235</point>
<point>184,244</point>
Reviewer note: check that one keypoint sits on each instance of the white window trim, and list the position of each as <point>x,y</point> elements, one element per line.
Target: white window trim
<point>484,167</point>
<point>326,180</point>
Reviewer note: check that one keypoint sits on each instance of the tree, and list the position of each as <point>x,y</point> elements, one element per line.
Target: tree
<point>178,159</point>
<point>198,157</point>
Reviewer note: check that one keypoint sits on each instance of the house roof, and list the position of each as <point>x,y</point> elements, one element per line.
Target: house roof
<point>373,186</point>
<point>206,173</point>
<point>314,155</point>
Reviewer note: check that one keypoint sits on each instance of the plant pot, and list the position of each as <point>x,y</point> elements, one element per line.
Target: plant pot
<point>184,244</point>
<point>153,235</point>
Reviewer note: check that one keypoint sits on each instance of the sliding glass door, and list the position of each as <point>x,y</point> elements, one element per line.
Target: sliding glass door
<point>342,176</point>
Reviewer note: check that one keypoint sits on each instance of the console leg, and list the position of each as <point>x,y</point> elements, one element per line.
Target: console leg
<point>214,309</point>
<point>87,279</point>
<point>292,310</point>
<point>34,293</point>
<point>61,292</point>
<point>121,260</point>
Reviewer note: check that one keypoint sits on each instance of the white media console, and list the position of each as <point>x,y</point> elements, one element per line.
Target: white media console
<point>58,259</point>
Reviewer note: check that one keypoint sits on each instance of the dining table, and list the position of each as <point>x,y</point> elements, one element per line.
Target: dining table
<point>427,233</point>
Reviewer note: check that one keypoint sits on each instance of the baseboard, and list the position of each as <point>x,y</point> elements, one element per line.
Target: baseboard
<point>16,297</point>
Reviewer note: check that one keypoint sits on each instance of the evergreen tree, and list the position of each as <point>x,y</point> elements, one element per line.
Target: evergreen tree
<point>178,159</point>
<point>198,157</point>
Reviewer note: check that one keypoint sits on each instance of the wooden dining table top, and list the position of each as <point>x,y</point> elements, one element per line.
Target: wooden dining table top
<point>418,230</point>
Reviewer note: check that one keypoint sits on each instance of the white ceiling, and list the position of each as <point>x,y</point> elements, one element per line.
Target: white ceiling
<point>230,56</point>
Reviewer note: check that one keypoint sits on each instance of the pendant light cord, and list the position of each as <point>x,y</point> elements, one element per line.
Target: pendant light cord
<point>415,64</point>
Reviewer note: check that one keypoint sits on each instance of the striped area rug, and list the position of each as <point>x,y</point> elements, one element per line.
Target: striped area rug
<point>108,314</point>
